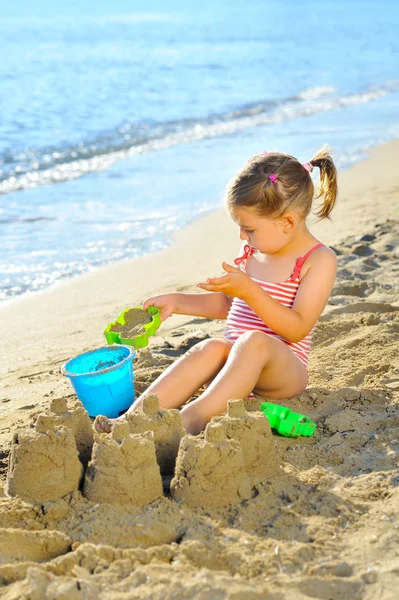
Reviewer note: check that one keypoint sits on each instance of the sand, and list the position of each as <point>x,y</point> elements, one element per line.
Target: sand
<point>135,320</point>
<point>319,521</point>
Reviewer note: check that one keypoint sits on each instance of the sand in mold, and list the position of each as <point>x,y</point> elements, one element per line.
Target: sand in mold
<point>135,320</point>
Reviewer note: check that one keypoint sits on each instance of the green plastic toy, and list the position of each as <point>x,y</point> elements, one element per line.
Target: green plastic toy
<point>140,341</point>
<point>287,422</point>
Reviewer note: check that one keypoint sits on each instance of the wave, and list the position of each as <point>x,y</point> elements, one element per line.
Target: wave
<point>57,164</point>
<point>25,219</point>
<point>63,20</point>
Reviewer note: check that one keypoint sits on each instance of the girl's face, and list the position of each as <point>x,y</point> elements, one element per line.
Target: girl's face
<point>262,233</point>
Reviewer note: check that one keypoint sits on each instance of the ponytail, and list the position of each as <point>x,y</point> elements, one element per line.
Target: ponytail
<point>328,181</point>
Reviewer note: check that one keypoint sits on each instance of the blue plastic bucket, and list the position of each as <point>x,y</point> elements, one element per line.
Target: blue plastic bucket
<point>103,379</point>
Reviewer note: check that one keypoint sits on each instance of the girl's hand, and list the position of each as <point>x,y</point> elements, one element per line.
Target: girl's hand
<point>234,283</point>
<point>165,302</point>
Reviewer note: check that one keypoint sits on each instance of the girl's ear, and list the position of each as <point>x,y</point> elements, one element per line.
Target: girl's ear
<point>288,222</point>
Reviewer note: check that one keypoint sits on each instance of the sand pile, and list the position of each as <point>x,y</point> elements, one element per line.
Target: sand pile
<point>325,526</point>
<point>355,343</point>
<point>38,546</point>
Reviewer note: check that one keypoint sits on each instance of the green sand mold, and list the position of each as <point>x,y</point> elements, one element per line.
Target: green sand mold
<point>287,422</point>
<point>140,341</point>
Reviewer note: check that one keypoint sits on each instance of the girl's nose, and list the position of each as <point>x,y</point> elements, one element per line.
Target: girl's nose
<point>243,234</point>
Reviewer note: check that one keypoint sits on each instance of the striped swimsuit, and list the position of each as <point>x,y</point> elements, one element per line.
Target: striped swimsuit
<point>242,318</point>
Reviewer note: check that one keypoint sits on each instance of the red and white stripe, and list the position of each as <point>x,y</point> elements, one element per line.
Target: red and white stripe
<point>242,318</point>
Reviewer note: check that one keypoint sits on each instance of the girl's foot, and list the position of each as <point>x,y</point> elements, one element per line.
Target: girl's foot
<point>103,424</point>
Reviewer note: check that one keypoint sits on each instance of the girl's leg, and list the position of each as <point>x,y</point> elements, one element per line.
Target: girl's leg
<point>182,378</point>
<point>257,362</point>
<point>186,375</point>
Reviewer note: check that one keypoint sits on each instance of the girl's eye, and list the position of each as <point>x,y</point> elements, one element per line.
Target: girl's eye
<point>249,230</point>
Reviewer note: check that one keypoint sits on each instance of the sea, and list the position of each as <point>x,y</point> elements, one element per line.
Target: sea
<point>123,121</point>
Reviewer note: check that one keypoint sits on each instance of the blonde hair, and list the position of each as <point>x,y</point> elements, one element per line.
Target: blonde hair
<point>292,186</point>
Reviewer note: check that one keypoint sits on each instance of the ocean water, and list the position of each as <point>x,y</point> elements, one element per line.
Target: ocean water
<point>121,122</point>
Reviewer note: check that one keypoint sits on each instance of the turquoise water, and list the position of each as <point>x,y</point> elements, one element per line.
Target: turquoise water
<point>120,124</point>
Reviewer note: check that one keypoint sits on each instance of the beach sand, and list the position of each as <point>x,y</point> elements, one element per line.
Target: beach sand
<point>322,521</point>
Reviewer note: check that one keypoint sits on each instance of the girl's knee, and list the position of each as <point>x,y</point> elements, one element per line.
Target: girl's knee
<point>216,348</point>
<point>193,419</point>
<point>255,339</point>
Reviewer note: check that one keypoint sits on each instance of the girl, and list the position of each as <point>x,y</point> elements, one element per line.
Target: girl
<point>271,299</point>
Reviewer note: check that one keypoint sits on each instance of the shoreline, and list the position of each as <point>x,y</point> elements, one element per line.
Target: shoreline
<point>175,237</point>
<point>80,308</point>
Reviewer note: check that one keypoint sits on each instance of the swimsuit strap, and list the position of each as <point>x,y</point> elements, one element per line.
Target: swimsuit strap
<point>299,263</point>
<point>248,251</point>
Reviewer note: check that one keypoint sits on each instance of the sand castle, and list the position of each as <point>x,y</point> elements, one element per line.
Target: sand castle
<point>78,420</point>
<point>44,463</point>
<point>218,468</point>
<point>252,431</point>
<point>166,426</point>
<point>123,469</point>
<point>210,471</point>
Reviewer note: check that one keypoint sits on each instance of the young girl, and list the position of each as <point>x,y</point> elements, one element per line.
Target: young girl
<point>271,299</point>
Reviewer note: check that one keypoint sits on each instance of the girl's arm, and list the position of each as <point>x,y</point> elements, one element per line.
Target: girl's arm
<point>293,324</point>
<point>208,305</point>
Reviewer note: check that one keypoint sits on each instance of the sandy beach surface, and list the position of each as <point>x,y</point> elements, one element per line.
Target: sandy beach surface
<point>312,517</point>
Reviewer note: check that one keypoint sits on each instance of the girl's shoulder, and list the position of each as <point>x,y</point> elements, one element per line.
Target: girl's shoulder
<point>323,251</point>
<point>322,258</point>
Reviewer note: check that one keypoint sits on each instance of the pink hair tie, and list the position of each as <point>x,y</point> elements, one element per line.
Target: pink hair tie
<point>273,177</point>
<point>308,166</point>
<point>265,152</point>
